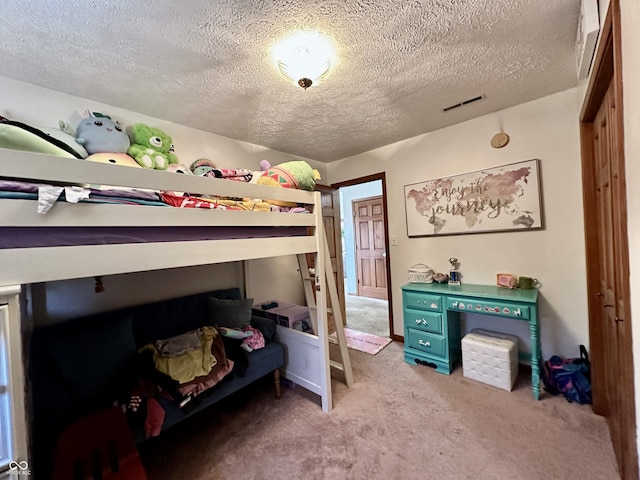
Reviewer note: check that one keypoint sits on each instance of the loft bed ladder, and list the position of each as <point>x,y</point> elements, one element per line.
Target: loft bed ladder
<point>319,287</point>
<point>313,284</point>
<point>308,363</point>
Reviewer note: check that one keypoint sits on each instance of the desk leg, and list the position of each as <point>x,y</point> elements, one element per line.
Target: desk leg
<point>535,353</point>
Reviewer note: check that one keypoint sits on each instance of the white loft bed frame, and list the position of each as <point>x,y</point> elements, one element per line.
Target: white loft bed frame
<point>30,265</point>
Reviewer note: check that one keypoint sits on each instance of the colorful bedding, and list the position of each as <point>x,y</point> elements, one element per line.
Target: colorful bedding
<point>34,191</point>
<point>215,203</point>
<point>46,196</point>
<point>129,196</point>
<point>33,237</point>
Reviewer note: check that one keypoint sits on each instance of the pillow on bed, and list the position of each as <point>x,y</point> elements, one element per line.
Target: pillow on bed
<point>230,313</point>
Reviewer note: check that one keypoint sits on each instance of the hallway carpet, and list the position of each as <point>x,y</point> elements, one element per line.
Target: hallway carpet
<point>369,315</point>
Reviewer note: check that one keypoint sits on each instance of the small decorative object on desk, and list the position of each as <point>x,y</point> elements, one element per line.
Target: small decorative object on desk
<point>506,280</point>
<point>454,274</point>
<point>420,273</point>
<point>440,277</point>
<point>528,283</point>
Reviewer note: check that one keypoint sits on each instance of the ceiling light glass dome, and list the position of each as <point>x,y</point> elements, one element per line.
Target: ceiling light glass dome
<point>305,58</point>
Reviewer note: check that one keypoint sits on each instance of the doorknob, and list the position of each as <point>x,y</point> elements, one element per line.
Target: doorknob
<point>608,305</point>
<point>618,319</point>
<point>384,254</point>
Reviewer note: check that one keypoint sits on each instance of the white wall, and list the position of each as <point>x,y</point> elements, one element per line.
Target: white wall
<point>55,302</point>
<point>603,6</point>
<point>546,129</point>
<point>281,282</point>
<point>41,107</point>
<point>630,19</point>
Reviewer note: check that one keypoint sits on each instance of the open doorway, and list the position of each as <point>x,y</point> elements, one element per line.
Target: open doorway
<point>364,255</point>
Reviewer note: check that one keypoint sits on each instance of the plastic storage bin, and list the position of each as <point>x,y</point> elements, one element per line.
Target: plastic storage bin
<point>420,273</point>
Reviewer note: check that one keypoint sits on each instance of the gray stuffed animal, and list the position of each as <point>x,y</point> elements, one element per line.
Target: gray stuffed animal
<point>97,133</point>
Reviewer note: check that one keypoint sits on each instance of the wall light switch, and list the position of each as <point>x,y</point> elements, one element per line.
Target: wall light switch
<point>394,240</point>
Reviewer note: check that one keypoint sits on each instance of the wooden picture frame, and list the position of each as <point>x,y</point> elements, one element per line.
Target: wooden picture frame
<point>495,199</point>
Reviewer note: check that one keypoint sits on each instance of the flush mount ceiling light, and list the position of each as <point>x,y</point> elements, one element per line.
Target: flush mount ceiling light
<point>305,58</point>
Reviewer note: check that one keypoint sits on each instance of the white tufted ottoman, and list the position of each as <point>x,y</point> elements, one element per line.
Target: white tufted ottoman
<point>491,358</point>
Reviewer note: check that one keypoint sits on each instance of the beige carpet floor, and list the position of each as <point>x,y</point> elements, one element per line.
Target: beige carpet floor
<point>398,421</point>
<point>369,315</point>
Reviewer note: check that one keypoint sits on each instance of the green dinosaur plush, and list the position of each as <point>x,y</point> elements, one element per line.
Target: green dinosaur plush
<point>151,147</point>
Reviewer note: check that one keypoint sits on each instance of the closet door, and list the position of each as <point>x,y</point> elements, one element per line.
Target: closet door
<point>602,147</point>
<point>613,317</point>
<point>604,194</point>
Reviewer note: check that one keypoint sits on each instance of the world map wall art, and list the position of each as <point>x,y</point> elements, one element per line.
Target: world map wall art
<point>496,199</point>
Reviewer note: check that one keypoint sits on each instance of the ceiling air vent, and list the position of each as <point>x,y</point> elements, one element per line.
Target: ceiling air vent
<point>463,103</point>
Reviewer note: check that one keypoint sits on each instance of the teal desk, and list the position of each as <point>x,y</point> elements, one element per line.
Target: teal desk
<point>432,321</point>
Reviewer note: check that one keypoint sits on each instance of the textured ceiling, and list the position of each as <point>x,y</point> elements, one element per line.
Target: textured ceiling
<point>206,64</point>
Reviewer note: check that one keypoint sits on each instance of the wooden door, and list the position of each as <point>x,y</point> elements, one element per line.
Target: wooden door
<point>371,264</point>
<point>614,331</point>
<point>331,217</point>
<point>603,147</point>
<point>604,193</point>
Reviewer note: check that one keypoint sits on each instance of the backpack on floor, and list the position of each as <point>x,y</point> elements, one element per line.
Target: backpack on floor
<point>569,376</point>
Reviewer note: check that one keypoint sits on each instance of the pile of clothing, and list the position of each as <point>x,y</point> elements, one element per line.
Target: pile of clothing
<point>183,367</point>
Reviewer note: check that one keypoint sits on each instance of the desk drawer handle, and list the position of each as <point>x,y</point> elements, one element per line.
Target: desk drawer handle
<point>433,305</point>
<point>422,321</point>
<point>424,343</point>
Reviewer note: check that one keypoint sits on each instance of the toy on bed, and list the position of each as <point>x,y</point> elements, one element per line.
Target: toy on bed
<point>264,166</point>
<point>251,338</point>
<point>121,159</point>
<point>179,168</point>
<point>98,133</point>
<point>66,137</point>
<point>294,174</point>
<point>206,168</point>
<point>182,169</point>
<point>20,136</point>
<point>151,147</point>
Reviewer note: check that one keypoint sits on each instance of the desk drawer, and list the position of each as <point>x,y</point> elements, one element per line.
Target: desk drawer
<point>422,301</point>
<point>502,309</point>
<point>427,342</point>
<point>427,321</point>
